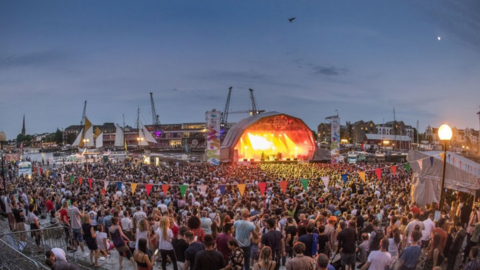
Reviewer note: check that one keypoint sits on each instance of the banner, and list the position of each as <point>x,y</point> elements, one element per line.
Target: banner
<point>203,189</point>
<point>304,184</point>
<point>326,180</point>
<point>183,188</point>
<point>165,189</point>
<point>335,144</point>
<point>345,178</point>
<point>283,185</point>
<point>80,180</point>
<point>262,186</point>
<point>241,188</point>
<point>378,172</point>
<point>362,176</point>
<point>134,186</point>
<point>393,169</point>
<point>212,152</point>
<point>148,188</point>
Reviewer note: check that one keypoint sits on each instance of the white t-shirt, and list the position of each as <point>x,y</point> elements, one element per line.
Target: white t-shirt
<point>429,226</point>
<point>127,224</point>
<point>60,254</point>
<point>164,243</point>
<point>7,203</point>
<point>93,218</point>
<point>100,237</point>
<point>379,260</point>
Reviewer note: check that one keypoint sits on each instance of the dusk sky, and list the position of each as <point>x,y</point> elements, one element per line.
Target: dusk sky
<point>362,58</point>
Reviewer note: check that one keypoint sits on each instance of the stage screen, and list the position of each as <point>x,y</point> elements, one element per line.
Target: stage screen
<point>276,138</point>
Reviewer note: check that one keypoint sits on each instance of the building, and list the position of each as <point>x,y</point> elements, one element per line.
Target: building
<point>378,141</point>
<point>270,136</point>
<point>324,132</point>
<point>359,129</point>
<point>396,128</point>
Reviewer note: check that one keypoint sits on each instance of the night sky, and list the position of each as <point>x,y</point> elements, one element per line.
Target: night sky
<point>362,58</point>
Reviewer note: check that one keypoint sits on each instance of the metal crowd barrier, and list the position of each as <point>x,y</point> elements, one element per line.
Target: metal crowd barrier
<point>12,259</point>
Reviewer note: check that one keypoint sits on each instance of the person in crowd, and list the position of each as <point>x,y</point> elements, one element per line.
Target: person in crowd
<point>193,249</point>
<point>206,222</point>
<point>102,242</point>
<point>222,241</point>
<point>411,254</point>
<point>19,216</point>
<point>363,250</point>
<point>180,245</point>
<point>164,236</point>
<point>209,258</point>
<point>275,241</point>
<point>434,257</point>
<point>118,239</point>
<point>56,264</point>
<point>142,232</point>
<point>265,260</point>
<point>244,228</point>
<point>34,225</point>
<point>300,261</point>
<point>456,246</point>
<point>89,235</point>
<point>379,259</point>
<point>74,217</point>
<point>236,260</point>
<point>322,262</point>
<point>127,224</point>
<point>141,256</point>
<point>194,225</point>
<point>347,245</point>
<point>474,262</point>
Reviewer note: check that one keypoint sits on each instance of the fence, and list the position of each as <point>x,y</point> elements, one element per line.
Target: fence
<point>24,242</point>
<point>12,259</point>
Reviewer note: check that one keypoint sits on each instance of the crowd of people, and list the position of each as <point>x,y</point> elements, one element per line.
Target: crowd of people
<point>359,223</point>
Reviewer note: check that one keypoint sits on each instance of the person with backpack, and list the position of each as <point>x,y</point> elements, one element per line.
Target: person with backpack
<point>411,254</point>
<point>274,240</point>
<point>376,236</point>
<point>310,240</point>
<point>300,261</point>
<point>347,244</point>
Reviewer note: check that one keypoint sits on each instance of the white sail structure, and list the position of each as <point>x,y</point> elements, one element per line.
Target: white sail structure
<point>78,140</point>
<point>98,138</point>
<point>143,142</point>
<point>148,136</point>
<point>119,137</point>
<point>89,136</point>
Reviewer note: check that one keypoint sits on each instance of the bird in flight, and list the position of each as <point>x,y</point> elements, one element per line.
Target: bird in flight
<point>291,19</point>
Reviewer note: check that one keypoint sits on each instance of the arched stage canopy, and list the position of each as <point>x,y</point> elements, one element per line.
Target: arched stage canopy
<point>270,136</point>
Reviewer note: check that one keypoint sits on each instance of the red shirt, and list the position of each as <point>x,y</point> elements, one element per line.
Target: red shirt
<point>63,214</point>
<point>174,231</point>
<point>49,205</point>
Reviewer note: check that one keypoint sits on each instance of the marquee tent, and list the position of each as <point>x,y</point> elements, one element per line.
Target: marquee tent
<point>427,177</point>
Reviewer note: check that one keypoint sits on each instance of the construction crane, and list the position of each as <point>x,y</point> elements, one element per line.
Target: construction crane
<point>155,118</point>
<point>84,112</point>
<point>227,107</point>
<point>252,99</point>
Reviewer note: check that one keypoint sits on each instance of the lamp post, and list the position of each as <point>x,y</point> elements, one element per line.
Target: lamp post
<point>85,142</point>
<point>139,139</point>
<point>3,138</point>
<point>445,135</point>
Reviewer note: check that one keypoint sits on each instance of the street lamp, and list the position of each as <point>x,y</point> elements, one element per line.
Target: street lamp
<point>85,142</point>
<point>445,135</point>
<point>3,138</point>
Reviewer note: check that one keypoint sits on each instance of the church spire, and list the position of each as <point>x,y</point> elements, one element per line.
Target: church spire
<point>23,127</point>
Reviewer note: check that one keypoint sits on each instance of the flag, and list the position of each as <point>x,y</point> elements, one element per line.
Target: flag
<point>165,189</point>
<point>222,189</point>
<point>393,169</point>
<point>80,180</point>
<point>420,163</point>
<point>119,185</point>
<point>241,188</point>
<point>345,178</point>
<point>262,186</point>
<point>304,184</point>
<point>71,179</point>
<point>362,176</point>
<point>134,187</point>
<point>203,189</point>
<point>103,191</point>
<point>183,188</point>
<point>126,146</point>
<point>378,172</point>
<point>326,180</point>
<point>283,185</point>
<point>90,180</point>
<point>105,184</point>
<point>442,155</point>
<point>48,173</point>
<point>148,188</point>
<point>407,167</point>
<point>431,161</point>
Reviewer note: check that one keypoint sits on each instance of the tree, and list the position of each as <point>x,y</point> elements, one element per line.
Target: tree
<point>71,138</point>
<point>58,136</point>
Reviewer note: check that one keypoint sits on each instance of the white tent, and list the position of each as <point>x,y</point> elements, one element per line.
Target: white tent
<point>427,177</point>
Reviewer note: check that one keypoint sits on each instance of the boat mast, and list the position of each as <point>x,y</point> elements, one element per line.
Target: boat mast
<point>82,123</point>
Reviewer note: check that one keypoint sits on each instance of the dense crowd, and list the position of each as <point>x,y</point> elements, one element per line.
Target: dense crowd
<point>345,223</point>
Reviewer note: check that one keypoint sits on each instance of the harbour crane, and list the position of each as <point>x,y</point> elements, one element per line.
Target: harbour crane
<point>227,107</point>
<point>226,112</point>
<point>155,118</point>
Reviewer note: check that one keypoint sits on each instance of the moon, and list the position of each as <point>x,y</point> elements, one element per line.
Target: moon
<point>439,38</point>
